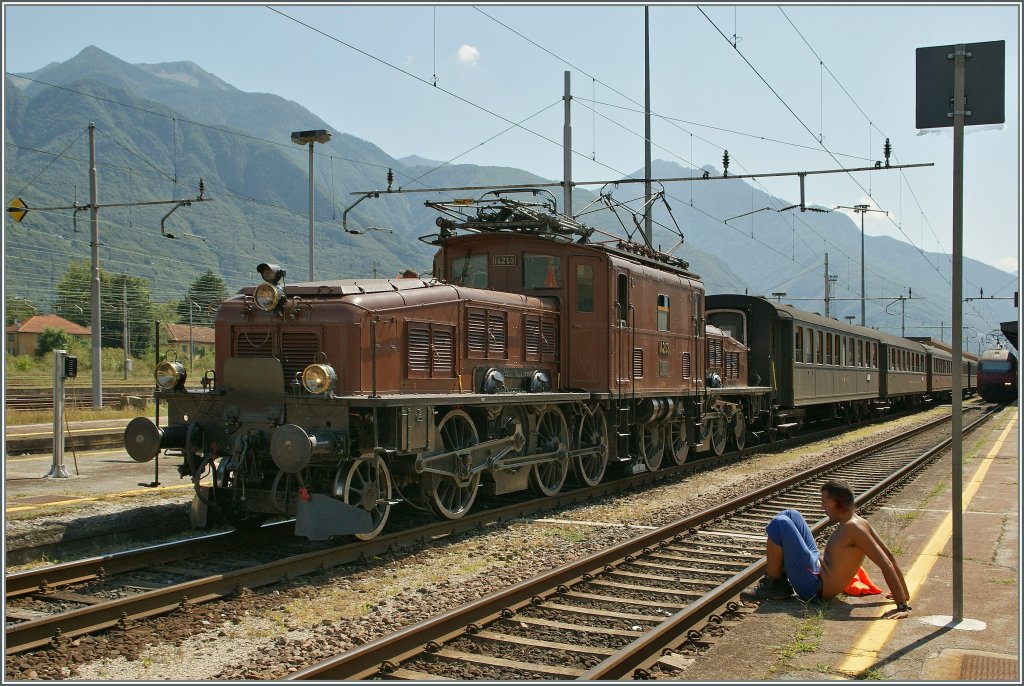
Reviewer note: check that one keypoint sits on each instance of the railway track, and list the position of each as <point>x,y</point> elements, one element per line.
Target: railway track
<point>59,602</point>
<point>622,612</point>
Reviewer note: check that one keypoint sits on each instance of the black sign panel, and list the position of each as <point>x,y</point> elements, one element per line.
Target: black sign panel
<point>984,85</point>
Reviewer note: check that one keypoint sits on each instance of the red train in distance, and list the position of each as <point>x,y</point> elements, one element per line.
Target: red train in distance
<point>997,375</point>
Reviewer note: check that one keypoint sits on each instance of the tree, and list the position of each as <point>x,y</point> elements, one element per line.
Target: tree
<point>204,297</point>
<point>74,303</point>
<point>52,339</point>
<point>18,309</point>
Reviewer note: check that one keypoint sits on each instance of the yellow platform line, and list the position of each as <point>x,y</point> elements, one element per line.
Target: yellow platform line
<point>864,653</point>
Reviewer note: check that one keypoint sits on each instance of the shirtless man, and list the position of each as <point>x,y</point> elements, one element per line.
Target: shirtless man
<point>792,552</point>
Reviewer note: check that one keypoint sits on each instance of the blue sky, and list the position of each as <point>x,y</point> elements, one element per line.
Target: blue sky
<point>798,77</point>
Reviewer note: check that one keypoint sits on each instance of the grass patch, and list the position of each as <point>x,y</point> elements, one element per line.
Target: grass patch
<point>872,674</point>
<point>19,417</point>
<point>807,639</point>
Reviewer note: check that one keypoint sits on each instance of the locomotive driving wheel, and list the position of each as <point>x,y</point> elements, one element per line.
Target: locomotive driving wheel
<point>451,497</point>
<point>366,485</point>
<point>739,430</point>
<point>719,434</point>
<point>651,440</point>
<point>678,448</point>
<point>592,433</point>
<point>552,434</point>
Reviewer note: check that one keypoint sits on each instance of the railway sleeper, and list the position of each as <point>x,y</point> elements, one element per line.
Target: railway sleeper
<point>450,655</point>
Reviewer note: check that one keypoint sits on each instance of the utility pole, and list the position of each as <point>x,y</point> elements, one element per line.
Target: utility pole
<point>567,151</point>
<point>94,244</point>
<point>17,209</point>
<point>648,219</point>
<point>861,209</point>
<point>829,280</point>
<point>124,304</point>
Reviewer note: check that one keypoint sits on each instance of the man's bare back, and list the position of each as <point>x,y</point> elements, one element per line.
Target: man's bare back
<point>842,558</point>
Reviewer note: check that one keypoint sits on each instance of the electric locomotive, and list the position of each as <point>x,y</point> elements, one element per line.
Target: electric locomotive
<point>997,375</point>
<point>534,354</point>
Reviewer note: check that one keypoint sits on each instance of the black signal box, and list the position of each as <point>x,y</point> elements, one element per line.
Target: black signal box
<point>70,367</point>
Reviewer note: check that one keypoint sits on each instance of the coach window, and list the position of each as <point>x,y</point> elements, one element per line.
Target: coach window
<point>828,348</point>
<point>821,347</point>
<point>874,355</point>
<point>584,288</point>
<point>798,344</point>
<point>470,271</point>
<point>663,320</point>
<point>541,271</point>
<point>810,346</point>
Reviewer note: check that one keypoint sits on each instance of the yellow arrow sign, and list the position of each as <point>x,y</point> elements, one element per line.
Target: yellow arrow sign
<point>17,209</point>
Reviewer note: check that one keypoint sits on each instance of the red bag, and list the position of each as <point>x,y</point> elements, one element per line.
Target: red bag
<point>861,585</point>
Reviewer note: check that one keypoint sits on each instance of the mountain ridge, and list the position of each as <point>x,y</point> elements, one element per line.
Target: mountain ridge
<point>260,194</point>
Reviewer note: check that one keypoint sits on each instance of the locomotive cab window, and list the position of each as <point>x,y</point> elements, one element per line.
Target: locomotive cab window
<point>541,271</point>
<point>622,300</point>
<point>470,271</point>
<point>663,312</point>
<point>584,288</point>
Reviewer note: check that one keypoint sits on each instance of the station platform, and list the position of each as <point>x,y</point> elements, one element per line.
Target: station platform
<point>92,474</point>
<point>847,638</point>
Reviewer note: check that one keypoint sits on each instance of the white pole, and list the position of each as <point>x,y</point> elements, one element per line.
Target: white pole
<point>57,468</point>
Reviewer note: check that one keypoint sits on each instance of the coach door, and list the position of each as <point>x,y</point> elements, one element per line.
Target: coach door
<point>587,315</point>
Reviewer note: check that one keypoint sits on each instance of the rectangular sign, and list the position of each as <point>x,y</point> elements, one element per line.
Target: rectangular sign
<point>503,261</point>
<point>984,85</point>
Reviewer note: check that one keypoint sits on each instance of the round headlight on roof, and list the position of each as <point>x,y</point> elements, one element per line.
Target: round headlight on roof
<point>169,375</point>
<point>319,378</point>
<point>268,296</point>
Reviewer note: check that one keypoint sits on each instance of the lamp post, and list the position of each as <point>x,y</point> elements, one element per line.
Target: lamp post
<point>849,318</point>
<point>779,295</point>
<point>861,209</point>
<point>309,138</point>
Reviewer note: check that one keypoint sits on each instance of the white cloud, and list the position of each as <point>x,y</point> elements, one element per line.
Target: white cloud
<point>468,54</point>
<point>1008,264</point>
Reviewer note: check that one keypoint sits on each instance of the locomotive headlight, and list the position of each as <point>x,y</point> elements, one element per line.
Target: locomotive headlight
<point>268,296</point>
<point>169,375</point>
<point>319,378</point>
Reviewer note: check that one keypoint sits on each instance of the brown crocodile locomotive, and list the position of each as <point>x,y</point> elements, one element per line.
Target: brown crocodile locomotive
<point>534,355</point>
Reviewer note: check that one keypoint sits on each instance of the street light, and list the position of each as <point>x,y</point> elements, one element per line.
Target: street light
<point>779,295</point>
<point>849,318</point>
<point>309,138</point>
<point>861,209</point>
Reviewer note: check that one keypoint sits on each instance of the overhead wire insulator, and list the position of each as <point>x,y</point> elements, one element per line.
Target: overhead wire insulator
<point>725,163</point>
<point>391,178</point>
<point>887,151</point>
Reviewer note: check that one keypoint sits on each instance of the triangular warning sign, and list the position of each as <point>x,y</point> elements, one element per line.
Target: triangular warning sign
<point>17,209</point>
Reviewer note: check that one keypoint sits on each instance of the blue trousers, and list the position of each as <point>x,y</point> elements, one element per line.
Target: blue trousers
<point>799,551</point>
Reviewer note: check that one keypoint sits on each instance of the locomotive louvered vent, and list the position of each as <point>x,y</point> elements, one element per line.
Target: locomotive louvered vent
<point>496,339</point>
<point>532,337</point>
<point>476,332</point>
<point>732,365</point>
<point>638,363</point>
<point>443,353</point>
<point>419,351</point>
<point>715,353</point>
<point>686,365</point>
<point>299,349</point>
<point>550,340</point>
<point>254,343</point>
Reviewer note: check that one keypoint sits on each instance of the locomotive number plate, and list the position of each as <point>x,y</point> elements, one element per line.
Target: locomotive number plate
<point>503,261</point>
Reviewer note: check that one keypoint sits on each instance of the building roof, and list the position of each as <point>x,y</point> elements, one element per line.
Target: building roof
<point>178,333</point>
<point>39,322</point>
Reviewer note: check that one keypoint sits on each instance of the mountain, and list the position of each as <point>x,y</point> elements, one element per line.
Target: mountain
<point>160,128</point>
